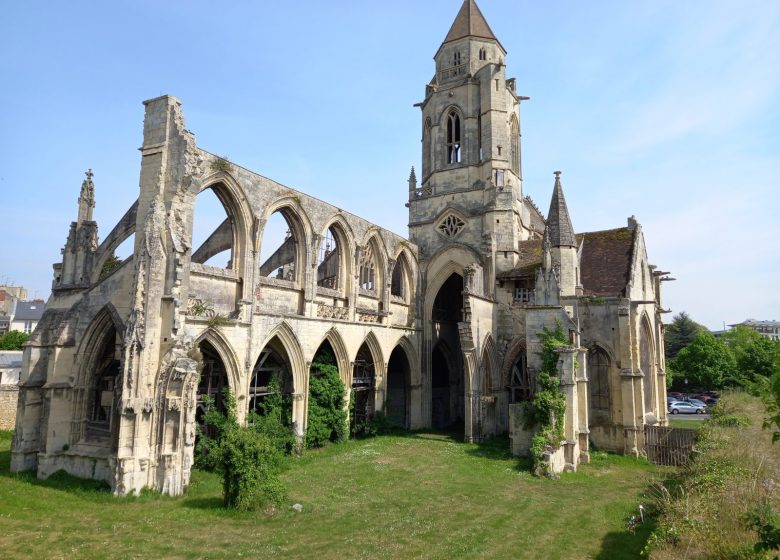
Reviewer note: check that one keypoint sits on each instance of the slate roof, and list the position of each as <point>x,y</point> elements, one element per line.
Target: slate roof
<point>470,23</point>
<point>11,359</point>
<point>559,228</point>
<point>29,310</point>
<point>605,267</point>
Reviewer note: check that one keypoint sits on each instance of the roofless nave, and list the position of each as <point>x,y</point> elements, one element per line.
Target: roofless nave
<point>441,330</point>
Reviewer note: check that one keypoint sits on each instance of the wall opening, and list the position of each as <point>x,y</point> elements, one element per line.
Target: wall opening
<point>271,383</point>
<point>212,231</point>
<point>329,261</point>
<point>598,382</point>
<point>212,387</point>
<point>279,250</point>
<point>104,388</point>
<point>363,389</point>
<point>520,386</point>
<point>398,382</point>
<point>447,378</point>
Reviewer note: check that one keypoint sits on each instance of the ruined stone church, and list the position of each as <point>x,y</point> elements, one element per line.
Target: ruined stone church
<point>440,330</point>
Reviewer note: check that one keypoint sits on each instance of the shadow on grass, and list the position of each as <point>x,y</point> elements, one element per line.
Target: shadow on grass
<point>58,481</point>
<point>622,544</point>
<point>209,503</point>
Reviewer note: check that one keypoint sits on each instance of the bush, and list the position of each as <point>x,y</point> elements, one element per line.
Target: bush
<point>13,340</point>
<point>250,463</point>
<point>327,418</point>
<point>248,458</point>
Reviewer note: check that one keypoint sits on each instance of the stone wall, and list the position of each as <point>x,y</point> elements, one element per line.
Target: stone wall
<point>8,398</point>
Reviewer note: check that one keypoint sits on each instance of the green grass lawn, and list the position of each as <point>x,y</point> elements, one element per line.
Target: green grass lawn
<point>686,423</point>
<point>416,496</point>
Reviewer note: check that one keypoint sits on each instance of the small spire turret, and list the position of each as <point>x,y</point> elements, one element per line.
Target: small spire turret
<point>412,180</point>
<point>86,198</point>
<point>559,229</point>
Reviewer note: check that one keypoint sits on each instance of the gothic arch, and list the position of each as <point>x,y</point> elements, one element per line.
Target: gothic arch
<point>600,362</point>
<point>454,135</point>
<point>376,352</point>
<point>93,340</point>
<point>300,226</point>
<point>488,367</point>
<point>340,350</point>
<point>289,341</point>
<point>233,199</point>
<point>345,239</point>
<point>452,259</point>
<point>647,362</point>
<point>228,357</point>
<point>402,277</point>
<point>373,242</point>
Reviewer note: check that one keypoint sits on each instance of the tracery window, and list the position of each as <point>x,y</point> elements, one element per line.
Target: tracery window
<point>456,58</point>
<point>367,269</point>
<point>328,263</point>
<point>397,279</point>
<point>453,137</point>
<point>451,225</point>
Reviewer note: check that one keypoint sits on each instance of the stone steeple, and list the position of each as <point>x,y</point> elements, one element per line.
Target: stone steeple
<point>86,199</point>
<point>559,230</point>
<point>469,23</point>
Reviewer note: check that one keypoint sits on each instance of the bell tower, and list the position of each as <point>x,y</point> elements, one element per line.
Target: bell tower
<point>471,181</point>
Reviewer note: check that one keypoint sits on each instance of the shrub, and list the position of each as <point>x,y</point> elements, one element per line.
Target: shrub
<point>248,458</point>
<point>327,419</point>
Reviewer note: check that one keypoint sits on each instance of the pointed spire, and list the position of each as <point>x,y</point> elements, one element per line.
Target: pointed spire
<point>412,180</point>
<point>86,198</point>
<point>559,230</point>
<point>469,23</point>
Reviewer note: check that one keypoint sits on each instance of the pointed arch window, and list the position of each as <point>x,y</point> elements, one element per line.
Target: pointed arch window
<point>515,146</point>
<point>520,386</point>
<point>367,270</point>
<point>427,147</point>
<point>453,137</point>
<point>456,58</point>
<point>482,54</point>
<point>599,379</point>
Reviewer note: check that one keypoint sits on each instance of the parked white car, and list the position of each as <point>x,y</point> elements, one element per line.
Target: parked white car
<point>682,407</point>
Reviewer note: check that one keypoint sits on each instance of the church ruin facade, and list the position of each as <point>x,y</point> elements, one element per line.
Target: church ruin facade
<point>440,330</point>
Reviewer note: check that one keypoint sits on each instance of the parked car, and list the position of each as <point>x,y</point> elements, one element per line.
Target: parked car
<point>682,407</point>
<point>697,402</point>
<point>675,395</point>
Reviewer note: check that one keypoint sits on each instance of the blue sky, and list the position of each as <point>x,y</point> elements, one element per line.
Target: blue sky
<point>664,110</point>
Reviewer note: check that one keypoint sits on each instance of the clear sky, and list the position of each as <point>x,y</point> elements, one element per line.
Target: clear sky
<point>666,110</point>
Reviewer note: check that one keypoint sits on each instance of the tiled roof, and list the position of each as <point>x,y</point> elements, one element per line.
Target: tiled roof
<point>529,259</point>
<point>11,358</point>
<point>469,23</point>
<point>29,310</point>
<point>605,267</point>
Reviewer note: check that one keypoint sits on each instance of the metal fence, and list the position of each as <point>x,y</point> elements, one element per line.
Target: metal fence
<point>670,447</point>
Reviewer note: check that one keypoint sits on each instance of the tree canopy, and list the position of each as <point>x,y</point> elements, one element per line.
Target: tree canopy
<point>707,363</point>
<point>680,333</point>
<point>13,340</point>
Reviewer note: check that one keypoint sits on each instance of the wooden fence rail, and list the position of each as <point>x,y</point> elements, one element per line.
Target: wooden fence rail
<point>670,447</point>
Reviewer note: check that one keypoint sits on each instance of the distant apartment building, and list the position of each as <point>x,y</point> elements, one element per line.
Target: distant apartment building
<point>27,315</point>
<point>769,329</point>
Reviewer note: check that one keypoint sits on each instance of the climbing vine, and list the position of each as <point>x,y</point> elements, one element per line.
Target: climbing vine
<point>546,410</point>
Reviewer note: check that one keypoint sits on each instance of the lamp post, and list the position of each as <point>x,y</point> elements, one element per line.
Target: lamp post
<point>686,387</point>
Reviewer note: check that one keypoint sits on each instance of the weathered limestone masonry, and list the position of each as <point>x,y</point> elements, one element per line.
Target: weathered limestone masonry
<point>440,331</point>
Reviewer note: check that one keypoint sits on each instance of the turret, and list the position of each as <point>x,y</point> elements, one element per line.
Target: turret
<point>78,253</point>
<point>559,236</point>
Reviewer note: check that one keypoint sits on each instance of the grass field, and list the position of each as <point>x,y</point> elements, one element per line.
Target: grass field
<point>685,423</point>
<point>417,496</point>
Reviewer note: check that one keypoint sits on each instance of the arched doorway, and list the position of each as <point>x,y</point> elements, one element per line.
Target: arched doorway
<point>447,380</point>
<point>646,365</point>
<point>326,414</point>
<point>271,383</point>
<point>363,390</point>
<point>398,382</point>
<point>101,416</point>
<point>212,386</point>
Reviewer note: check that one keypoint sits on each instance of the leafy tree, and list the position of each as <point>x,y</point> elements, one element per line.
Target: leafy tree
<point>754,353</point>
<point>327,418</point>
<point>13,340</point>
<point>680,333</point>
<point>707,363</point>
